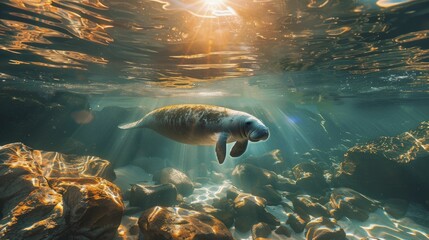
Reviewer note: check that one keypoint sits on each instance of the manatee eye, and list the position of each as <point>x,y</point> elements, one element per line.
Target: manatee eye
<point>248,123</point>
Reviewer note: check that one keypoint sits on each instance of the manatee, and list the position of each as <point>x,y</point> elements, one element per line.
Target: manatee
<point>200,124</point>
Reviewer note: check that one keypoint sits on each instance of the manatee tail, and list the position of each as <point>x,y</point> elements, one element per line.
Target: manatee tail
<point>131,125</point>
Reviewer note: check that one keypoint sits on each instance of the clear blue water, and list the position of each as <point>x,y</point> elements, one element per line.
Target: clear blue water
<point>323,75</point>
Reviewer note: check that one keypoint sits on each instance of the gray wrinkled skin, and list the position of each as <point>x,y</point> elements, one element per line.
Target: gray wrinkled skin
<point>201,124</point>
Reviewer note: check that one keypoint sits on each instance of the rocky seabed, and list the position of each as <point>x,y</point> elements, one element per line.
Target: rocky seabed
<point>50,195</point>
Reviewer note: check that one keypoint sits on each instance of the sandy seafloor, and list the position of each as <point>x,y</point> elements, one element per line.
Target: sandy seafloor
<point>413,226</point>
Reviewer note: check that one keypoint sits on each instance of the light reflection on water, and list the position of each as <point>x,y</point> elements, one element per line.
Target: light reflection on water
<point>391,3</point>
<point>378,225</point>
<point>381,225</point>
<point>207,193</point>
<point>189,44</point>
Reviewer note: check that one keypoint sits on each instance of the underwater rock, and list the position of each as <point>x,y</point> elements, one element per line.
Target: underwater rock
<point>309,177</point>
<point>296,222</point>
<point>232,192</point>
<point>183,183</point>
<point>285,184</point>
<point>272,161</point>
<point>394,167</point>
<point>226,212</point>
<point>286,207</point>
<point>128,175</point>
<point>305,206</point>
<point>283,230</point>
<point>260,231</point>
<point>335,213</point>
<point>223,211</point>
<point>129,229</point>
<point>251,210</point>
<point>323,229</point>
<point>147,196</point>
<point>38,203</point>
<point>352,204</point>
<point>396,208</point>
<point>167,223</point>
<point>269,193</point>
<point>92,206</point>
<point>248,177</point>
<point>56,165</point>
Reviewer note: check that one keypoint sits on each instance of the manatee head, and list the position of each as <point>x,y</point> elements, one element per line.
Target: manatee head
<point>255,130</point>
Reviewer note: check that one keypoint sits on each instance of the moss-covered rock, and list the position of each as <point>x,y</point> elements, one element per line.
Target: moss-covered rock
<point>394,167</point>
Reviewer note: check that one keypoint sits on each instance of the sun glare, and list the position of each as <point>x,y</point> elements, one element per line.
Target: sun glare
<point>201,8</point>
<point>216,8</point>
<point>214,2</point>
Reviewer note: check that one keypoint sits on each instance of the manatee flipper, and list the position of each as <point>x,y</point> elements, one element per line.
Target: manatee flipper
<point>239,148</point>
<point>221,147</point>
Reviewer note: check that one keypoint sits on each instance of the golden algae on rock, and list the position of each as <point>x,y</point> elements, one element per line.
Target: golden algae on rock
<point>52,196</point>
<point>394,167</point>
<point>159,223</point>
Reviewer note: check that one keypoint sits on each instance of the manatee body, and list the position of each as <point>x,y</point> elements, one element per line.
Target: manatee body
<point>205,125</point>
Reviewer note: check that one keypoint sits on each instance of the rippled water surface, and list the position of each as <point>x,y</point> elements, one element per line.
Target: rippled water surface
<point>139,47</point>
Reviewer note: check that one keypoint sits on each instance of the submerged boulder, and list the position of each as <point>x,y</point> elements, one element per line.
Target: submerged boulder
<point>309,177</point>
<point>261,182</point>
<point>129,229</point>
<point>147,196</point>
<point>304,205</point>
<point>261,231</point>
<point>56,165</point>
<point>167,223</point>
<point>257,181</point>
<point>248,177</point>
<point>270,194</point>
<point>352,204</point>
<point>272,161</point>
<point>283,230</point>
<point>93,207</point>
<point>222,209</point>
<point>324,229</point>
<point>285,184</point>
<point>390,167</point>
<point>128,175</point>
<point>251,210</point>
<point>183,183</point>
<point>296,222</point>
<point>39,203</point>
<point>232,192</point>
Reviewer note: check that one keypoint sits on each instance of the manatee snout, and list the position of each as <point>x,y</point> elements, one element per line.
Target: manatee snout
<point>259,134</point>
